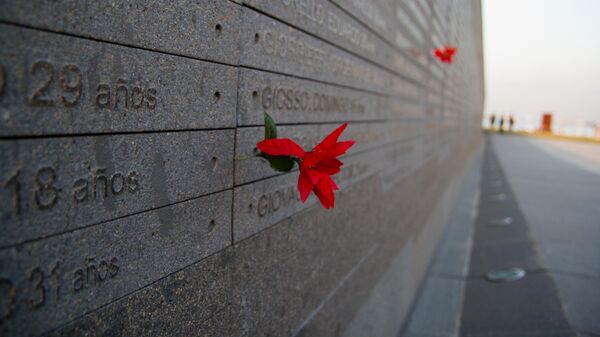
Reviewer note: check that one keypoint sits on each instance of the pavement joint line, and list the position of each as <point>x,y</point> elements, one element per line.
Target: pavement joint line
<point>574,274</point>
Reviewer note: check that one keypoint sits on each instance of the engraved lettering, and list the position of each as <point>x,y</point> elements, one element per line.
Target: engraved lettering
<point>80,191</point>
<point>113,267</point>
<point>102,185</point>
<point>55,276</point>
<point>277,200</point>
<point>70,80</point>
<point>100,178</point>
<point>282,45</point>
<point>14,186</point>
<point>94,274</point>
<point>137,97</point>
<point>78,280</point>
<point>263,206</point>
<point>37,278</point>
<point>121,87</point>
<point>91,271</point>
<point>102,270</point>
<point>300,100</point>
<point>309,9</point>
<point>38,97</point>
<point>45,193</point>
<point>117,183</point>
<point>103,95</point>
<point>266,97</point>
<point>8,293</point>
<point>151,98</point>
<point>125,97</point>
<point>132,181</point>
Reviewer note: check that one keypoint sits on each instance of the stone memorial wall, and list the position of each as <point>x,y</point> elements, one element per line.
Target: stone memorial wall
<point>130,200</point>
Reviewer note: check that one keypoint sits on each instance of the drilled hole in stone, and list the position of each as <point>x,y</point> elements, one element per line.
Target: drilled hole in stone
<point>256,37</point>
<point>214,162</point>
<point>255,94</point>
<point>218,27</point>
<point>217,95</point>
<point>212,224</point>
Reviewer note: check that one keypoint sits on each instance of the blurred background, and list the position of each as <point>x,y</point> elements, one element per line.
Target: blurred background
<point>543,57</point>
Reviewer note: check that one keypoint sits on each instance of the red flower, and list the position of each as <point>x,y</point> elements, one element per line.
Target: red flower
<point>446,54</point>
<point>316,166</point>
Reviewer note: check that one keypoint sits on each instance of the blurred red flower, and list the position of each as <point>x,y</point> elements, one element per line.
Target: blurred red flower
<point>445,54</point>
<point>316,166</point>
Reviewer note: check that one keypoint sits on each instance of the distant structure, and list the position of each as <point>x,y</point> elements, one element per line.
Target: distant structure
<point>546,122</point>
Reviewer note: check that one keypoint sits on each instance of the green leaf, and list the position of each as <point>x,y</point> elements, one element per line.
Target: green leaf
<point>281,163</point>
<point>278,163</point>
<point>270,127</point>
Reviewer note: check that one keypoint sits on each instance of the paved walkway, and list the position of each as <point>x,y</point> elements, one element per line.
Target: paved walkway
<point>557,186</point>
<point>529,306</point>
<point>537,208</point>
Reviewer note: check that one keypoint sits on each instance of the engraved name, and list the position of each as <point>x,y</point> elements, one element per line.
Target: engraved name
<point>296,50</point>
<point>284,45</point>
<point>315,12</point>
<point>272,202</point>
<point>283,98</point>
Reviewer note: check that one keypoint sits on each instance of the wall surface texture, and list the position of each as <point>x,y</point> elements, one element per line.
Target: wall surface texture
<point>130,204</point>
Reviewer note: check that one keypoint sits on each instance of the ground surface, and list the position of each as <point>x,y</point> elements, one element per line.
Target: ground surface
<point>550,190</point>
<point>557,187</point>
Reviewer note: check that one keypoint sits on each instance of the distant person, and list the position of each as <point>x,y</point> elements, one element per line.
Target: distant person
<point>511,123</point>
<point>492,121</point>
<point>501,124</point>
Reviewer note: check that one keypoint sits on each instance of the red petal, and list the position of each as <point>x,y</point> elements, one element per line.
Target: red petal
<point>324,192</point>
<point>313,158</point>
<point>341,148</point>
<point>332,183</point>
<point>280,147</point>
<point>329,166</point>
<point>331,139</point>
<point>305,185</point>
<point>312,174</point>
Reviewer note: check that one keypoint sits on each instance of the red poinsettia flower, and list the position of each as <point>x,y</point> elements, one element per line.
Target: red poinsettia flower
<point>316,166</point>
<point>445,54</point>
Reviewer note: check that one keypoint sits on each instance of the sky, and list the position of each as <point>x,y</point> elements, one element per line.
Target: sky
<point>542,55</point>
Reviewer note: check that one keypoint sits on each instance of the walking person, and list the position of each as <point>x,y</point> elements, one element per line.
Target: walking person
<point>511,122</point>
<point>492,121</point>
<point>501,126</point>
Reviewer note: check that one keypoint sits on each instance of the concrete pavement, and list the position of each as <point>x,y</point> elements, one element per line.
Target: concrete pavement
<point>549,191</point>
<point>557,186</point>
